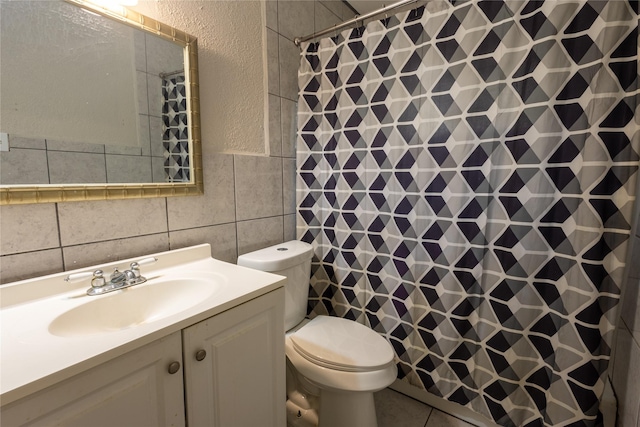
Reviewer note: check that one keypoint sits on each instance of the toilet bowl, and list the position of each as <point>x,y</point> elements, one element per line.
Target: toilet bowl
<point>334,365</point>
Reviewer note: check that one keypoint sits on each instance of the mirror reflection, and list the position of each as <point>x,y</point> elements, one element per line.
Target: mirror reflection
<point>89,100</point>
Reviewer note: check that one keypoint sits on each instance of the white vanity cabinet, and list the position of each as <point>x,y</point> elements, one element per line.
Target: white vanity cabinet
<point>235,366</point>
<point>135,389</point>
<point>239,382</point>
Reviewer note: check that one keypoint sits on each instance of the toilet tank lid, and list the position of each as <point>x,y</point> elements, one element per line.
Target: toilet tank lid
<point>277,257</point>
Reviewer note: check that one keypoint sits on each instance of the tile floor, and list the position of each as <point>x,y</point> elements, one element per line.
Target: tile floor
<point>397,410</point>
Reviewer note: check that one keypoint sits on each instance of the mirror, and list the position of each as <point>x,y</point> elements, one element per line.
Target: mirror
<point>98,102</point>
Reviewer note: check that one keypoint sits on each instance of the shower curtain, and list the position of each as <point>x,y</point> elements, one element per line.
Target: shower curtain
<point>466,175</point>
<point>175,129</point>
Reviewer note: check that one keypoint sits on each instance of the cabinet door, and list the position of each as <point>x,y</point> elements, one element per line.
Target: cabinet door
<point>240,382</point>
<point>135,389</point>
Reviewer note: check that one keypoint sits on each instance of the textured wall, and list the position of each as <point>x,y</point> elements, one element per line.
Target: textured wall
<point>232,78</point>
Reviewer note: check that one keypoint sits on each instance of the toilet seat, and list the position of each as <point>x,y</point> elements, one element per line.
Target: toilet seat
<point>342,345</point>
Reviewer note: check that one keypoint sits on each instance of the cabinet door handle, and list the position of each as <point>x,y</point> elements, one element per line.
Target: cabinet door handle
<point>174,367</point>
<point>200,355</point>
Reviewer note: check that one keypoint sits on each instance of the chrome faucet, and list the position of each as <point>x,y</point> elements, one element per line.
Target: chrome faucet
<point>117,280</point>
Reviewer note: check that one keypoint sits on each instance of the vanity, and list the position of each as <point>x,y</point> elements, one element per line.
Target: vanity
<point>201,342</point>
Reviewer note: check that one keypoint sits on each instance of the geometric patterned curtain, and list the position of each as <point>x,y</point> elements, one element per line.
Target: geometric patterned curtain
<point>175,130</point>
<point>466,176</point>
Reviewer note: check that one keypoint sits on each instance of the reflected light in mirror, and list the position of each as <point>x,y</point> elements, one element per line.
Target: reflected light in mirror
<point>108,3</point>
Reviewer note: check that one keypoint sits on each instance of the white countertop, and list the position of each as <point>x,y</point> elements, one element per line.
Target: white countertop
<point>32,358</point>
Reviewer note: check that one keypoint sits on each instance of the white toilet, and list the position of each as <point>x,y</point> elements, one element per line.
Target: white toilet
<point>334,365</point>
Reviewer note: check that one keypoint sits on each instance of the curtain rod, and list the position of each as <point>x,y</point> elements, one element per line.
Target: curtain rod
<point>355,20</point>
<point>171,73</point>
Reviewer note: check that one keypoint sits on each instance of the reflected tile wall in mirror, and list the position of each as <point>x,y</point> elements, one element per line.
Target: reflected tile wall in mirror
<point>161,153</point>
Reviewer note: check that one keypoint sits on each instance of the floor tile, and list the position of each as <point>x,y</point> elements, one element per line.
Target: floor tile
<point>394,409</point>
<point>440,419</point>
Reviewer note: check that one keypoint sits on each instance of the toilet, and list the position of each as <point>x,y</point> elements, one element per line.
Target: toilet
<point>334,365</point>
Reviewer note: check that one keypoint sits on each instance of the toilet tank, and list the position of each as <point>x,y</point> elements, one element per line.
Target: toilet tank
<point>293,260</point>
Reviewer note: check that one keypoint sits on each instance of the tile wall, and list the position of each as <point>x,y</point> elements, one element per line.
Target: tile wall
<point>33,161</point>
<point>39,161</point>
<point>625,375</point>
<point>249,200</point>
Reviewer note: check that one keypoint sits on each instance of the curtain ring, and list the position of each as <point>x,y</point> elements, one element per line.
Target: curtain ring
<point>357,24</point>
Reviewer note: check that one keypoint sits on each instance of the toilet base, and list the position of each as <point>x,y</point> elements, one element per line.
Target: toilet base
<point>351,409</point>
<point>300,417</point>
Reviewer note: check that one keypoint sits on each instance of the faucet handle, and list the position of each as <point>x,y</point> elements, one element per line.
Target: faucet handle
<point>98,279</point>
<point>74,277</point>
<point>145,261</point>
<point>135,266</point>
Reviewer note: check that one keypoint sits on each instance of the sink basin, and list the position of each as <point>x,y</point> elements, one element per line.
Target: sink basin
<point>132,306</point>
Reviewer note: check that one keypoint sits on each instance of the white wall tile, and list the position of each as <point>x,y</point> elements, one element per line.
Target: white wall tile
<point>295,18</point>
<point>275,132</point>
<point>24,166</point>
<point>289,63</point>
<point>259,233</point>
<point>630,311</point>
<point>154,94</point>
<point>157,169</point>
<point>324,18</point>
<point>273,62</point>
<point>81,147</point>
<point>626,353</point>
<point>258,183</point>
<point>216,206</point>
<point>122,169</point>
<point>272,14</point>
<point>626,378</point>
<point>142,89</point>
<point>339,9</point>
<point>144,135</point>
<point>125,150</point>
<point>25,228</point>
<point>633,269</point>
<point>98,221</point>
<point>630,304</point>
<point>67,167</point>
<point>289,112</point>
<point>289,227</point>
<point>163,56</point>
<point>81,256</point>
<point>139,49</point>
<point>222,239</point>
<point>20,142</point>
<point>155,136</point>
<point>30,264</point>
<point>289,185</point>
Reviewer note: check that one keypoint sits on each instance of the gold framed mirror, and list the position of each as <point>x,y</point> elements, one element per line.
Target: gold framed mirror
<point>162,156</point>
